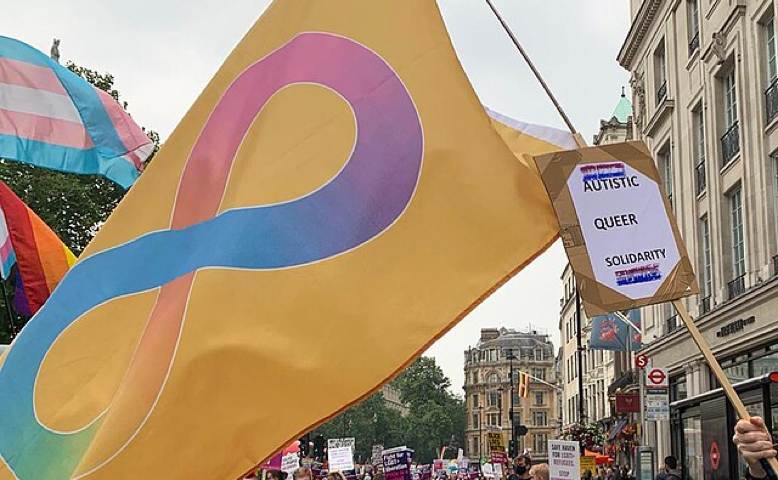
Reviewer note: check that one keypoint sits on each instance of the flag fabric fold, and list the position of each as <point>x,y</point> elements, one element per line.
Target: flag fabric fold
<point>52,118</point>
<point>337,184</point>
<point>41,257</point>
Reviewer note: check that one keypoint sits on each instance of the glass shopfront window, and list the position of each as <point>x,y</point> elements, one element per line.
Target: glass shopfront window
<point>678,389</point>
<point>693,461</point>
<point>766,364</point>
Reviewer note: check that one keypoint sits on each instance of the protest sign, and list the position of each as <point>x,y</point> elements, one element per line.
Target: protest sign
<point>617,227</point>
<point>340,459</point>
<point>564,461</point>
<point>588,463</point>
<point>437,465</point>
<point>375,457</point>
<point>497,447</point>
<point>397,464</point>
<point>289,463</point>
<point>340,443</point>
<point>425,472</point>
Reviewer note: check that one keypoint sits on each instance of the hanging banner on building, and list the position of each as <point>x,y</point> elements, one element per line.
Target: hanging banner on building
<point>617,227</point>
<point>610,332</point>
<point>397,464</point>
<point>564,460</point>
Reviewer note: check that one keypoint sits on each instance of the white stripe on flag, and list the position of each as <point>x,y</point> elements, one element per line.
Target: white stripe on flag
<point>561,138</point>
<point>38,102</point>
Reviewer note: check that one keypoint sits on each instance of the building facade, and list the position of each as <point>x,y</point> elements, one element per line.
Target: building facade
<point>393,400</point>
<point>490,391</point>
<point>705,90</point>
<point>599,369</point>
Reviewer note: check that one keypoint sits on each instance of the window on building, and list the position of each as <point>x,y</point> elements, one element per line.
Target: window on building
<point>475,421</point>
<point>666,165</point>
<point>475,377</point>
<point>475,401</point>
<point>493,355</point>
<point>769,50</point>
<point>738,243</point>
<point>493,378</point>
<point>539,373</point>
<point>694,455</point>
<point>660,72</point>
<point>493,419</point>
<point>516,398</point>
<point>493,399</point>
<point>539,419</point>
<point>540,440</point>
<point>517,418</point>
<point>730,99</point>
<point>678,389</point>
<point>706,282</point>
<point>700,169</point>
<point>539,398</point>
<point>693,10</point>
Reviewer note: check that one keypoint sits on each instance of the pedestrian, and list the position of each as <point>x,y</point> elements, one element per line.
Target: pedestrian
<point>539,472</point>
<point>303,473</point>
<point>587,475</point>
<point>368,473</point>
<point>335,476</point>
<point>670,470</point>
<point>523,465</point>
<point>275,475</point>
<point>512,475</point>
<point>626,472</point>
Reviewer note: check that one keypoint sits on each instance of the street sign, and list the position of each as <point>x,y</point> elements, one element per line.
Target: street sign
<point>641,361</point>
<point>657,378</point>
<point>657,394</point>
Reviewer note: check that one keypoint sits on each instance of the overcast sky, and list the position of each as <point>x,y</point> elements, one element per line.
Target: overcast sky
<point>162,54</point>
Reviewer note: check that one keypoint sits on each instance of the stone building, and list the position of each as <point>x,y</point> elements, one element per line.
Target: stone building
<point>488,392</point>
<point>705,90</point>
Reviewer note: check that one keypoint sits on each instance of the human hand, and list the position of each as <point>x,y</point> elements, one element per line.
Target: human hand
<point>754,443</point>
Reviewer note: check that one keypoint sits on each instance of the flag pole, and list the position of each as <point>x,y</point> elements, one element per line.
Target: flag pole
<point>539,77</point>
<point>8,309</point>
<point>770,465</point>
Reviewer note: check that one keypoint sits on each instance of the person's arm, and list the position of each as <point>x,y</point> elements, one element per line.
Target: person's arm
<point>754,443</point>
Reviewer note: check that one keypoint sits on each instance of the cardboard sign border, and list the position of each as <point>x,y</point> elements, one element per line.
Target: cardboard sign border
<point>555,170</point>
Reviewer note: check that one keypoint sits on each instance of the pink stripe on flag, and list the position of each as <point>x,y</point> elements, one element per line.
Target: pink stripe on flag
<point>27,75</point>
<point>128,131</point>
<point>5,249</point>
<point>44,129</point>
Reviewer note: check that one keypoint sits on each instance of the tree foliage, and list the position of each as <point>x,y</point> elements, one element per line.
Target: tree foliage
<point>436,417</point>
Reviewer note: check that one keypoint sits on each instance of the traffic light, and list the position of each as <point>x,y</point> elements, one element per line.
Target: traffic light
<point>520,430</point>
<point>513,449</point>
<point>318,447</point>
<point>304,445</point>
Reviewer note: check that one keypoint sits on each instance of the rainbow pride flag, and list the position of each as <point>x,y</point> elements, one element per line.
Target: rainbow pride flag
<point>41,257</point>
<point>52,118</point>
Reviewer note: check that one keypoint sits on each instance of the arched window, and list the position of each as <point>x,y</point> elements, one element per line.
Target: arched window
<point>493,378</point>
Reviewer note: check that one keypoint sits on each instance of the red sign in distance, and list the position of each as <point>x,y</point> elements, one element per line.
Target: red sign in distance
<point>641,361</point>
<point>657,377</point>
<point>715,456</point>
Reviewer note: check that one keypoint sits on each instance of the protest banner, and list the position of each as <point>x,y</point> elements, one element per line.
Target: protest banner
<point>497,447</point>
<point>425,472</point>
<point>437,465</point>
<point>340,459</point>
<point>617,227</point>
<point>564,460</point>
<point>397,464</point>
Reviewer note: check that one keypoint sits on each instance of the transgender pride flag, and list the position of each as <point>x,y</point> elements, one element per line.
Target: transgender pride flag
<point>7,254</point>
<point>52,118</point>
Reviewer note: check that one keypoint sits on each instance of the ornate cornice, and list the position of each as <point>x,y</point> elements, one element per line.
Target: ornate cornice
<point>637,32</point>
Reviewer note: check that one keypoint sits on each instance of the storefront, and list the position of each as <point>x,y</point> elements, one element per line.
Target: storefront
<point>702,426</point>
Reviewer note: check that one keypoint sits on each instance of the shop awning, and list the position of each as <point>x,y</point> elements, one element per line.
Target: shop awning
<point>616,429</point>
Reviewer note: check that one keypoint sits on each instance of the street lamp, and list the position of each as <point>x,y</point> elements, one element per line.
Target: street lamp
<point>511,358</point>
<point>500,391</point>
<point>480,435</point>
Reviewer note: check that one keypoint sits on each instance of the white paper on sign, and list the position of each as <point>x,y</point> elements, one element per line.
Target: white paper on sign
<point>625,226</point>
<point>340,459</point>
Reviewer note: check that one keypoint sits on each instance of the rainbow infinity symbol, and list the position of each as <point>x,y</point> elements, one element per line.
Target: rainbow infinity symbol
<point>363,200</point>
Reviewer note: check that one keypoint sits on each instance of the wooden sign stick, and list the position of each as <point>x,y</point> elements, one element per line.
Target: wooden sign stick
<point>769,465</point>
